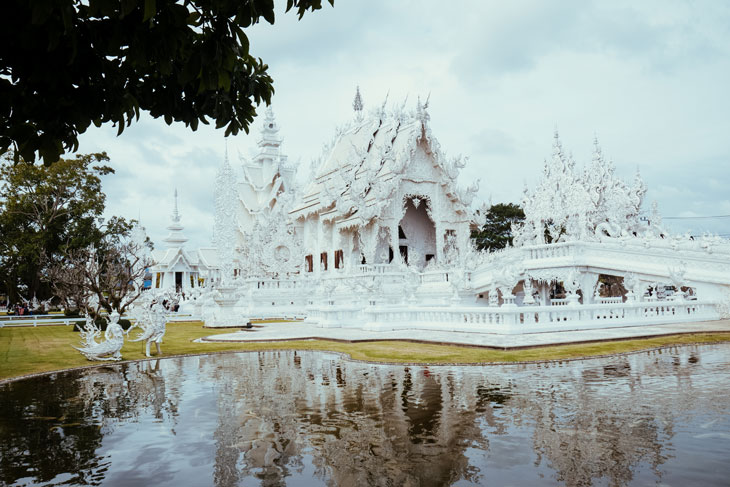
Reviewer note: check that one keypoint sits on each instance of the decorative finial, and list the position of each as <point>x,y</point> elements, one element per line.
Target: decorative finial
<point>175,213</point>
<point>270,120</point>
<point>357,104</point>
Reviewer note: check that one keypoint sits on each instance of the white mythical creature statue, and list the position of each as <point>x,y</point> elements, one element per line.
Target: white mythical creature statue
<point>633,287</point>
<point>571,284</point>
<point>152,319</point>
<point>110,348</point>
<point>678,276</point>
<point>529,291</point>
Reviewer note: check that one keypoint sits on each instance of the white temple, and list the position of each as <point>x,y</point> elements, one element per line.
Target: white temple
<point>379,238</point>
<point>177,269</point>
<point>383,193</point>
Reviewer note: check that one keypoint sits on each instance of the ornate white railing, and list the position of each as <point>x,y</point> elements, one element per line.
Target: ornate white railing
<point>612,300</point>
<point>706,265</point>
<point>373,268</point>
<point>511,320</point>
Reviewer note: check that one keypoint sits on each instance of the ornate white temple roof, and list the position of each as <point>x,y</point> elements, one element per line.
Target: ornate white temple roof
<point>368,157</point>
<point>175,257</point>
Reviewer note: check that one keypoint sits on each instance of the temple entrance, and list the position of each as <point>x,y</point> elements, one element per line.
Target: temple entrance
<point>417,233</point>
<point>178,281</point>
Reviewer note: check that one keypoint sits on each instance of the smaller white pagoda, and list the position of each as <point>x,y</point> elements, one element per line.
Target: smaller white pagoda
<point>176,269</point>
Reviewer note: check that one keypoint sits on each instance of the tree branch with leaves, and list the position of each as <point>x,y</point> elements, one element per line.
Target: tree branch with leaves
<point>66,64</point>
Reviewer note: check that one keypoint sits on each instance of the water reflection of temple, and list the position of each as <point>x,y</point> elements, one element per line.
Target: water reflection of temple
<point>267,418</point>
<point>361,424</point>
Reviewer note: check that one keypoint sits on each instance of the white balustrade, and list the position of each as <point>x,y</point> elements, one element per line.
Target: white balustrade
<point>518,319</point>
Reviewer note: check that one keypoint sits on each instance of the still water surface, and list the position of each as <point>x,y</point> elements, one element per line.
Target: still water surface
<point>311,418</point>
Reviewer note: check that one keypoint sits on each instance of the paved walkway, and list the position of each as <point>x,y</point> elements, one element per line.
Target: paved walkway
<point>301,331</point>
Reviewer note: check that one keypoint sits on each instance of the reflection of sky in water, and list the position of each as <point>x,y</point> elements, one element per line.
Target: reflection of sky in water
<point>285,418</point>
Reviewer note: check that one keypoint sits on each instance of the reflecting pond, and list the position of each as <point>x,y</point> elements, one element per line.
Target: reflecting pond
<point>312,418</point>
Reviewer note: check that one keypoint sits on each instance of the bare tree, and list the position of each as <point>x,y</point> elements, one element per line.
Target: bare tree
<point>108,277</point>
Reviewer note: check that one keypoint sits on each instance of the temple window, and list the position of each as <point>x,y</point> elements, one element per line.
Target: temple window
<point>339,259</point>
<point>401,233</point>
<point>323,260</point>
<point>309,263</point>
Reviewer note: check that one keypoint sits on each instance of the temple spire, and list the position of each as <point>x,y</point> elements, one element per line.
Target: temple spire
<point>175,212</point>
<point>357,104</point>
<point>269,131</point>
<point>175,238</point>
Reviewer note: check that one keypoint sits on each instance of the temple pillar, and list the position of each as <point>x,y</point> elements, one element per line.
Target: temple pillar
<point>395,242</point>
<point>439,231</point>
<point>544,290</point>
<point>317,264</point>
<point>588,281</point>
<point>347,250</point>
<point>335,246</point>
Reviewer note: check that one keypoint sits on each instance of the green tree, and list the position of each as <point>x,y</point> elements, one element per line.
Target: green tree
<point>65,64</point>
<point>496,233</point>
<point>44,212</point>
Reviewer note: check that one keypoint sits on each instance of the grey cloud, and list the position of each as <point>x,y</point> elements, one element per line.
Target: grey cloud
<point>647,76</point>
<point>492,141</point>
<point>533,32</point>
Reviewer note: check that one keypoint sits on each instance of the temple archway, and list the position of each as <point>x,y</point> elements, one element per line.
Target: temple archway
<point>417,233</point>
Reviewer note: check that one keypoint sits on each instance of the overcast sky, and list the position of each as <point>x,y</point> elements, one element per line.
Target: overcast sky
<point>651,79</point>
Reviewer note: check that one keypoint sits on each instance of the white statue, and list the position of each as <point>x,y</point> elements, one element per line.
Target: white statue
<point>152,319</point>
<point>529,298</point>
<point>678,277</point>
<point>110,348</point>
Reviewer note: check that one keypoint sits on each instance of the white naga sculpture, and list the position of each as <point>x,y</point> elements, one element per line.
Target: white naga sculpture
<point>108,349</point>
<point>151,316</point>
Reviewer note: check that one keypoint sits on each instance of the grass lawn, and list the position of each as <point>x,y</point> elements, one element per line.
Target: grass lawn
<point>29,350</point>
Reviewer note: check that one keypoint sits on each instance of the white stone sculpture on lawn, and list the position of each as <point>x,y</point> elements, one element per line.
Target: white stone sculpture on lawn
<point>151,317</point>
<point>109,348</point>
